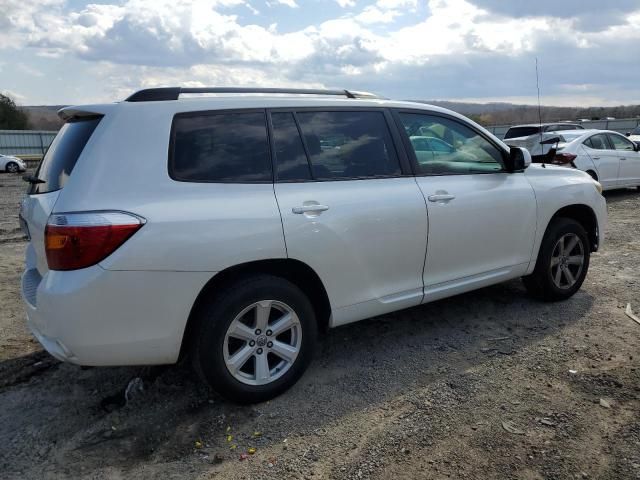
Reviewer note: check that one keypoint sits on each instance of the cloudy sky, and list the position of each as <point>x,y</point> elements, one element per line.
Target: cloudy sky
<point>74,51</point>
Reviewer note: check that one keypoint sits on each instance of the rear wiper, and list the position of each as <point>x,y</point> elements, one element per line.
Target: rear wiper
<point>32,179</point>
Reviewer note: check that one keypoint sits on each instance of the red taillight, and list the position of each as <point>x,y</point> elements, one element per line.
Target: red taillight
<point>563,158</point>
<point>79,240</point>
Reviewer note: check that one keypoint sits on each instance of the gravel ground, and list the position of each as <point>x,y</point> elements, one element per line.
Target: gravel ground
<point>490,384</point>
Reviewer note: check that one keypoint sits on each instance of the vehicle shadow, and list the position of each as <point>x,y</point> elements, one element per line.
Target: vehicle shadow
<point>358,366</point>
<point>616,196</point>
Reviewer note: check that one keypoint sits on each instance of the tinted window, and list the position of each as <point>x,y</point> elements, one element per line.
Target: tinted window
<point>291,160</point>
<point>597,142</point>
<point>62,155</point>
<point>228,147</point>
<point>348,144</point>
<point>450,148</point>
<point>621,143</point>
<point>440,146</point>
<point>521,132</point>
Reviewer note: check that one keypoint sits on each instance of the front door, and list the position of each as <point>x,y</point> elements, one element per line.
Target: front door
<point>482,220</point>
<point>605,159</point>
<point>629,170</point>
<point>348,211</point>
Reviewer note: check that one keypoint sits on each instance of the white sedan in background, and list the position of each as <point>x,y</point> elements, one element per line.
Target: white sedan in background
<point>11,164</point>
<point>609,157</point>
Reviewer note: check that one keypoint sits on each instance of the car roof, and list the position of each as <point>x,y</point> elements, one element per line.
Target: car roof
<point>544,124</point>
<point>200,103</point>
<point>256,101</point>
<point>586,133</point>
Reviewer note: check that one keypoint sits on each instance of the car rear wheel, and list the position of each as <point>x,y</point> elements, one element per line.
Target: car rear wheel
<point>12,167</point>
<point>563,261</point>
<point>255,339</point>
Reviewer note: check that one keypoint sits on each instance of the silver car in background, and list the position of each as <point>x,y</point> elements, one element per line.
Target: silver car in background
<point>609,157</point>
<point>11,164</point>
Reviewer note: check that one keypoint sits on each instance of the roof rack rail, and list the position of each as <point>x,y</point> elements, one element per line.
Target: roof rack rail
<point>173,93</point>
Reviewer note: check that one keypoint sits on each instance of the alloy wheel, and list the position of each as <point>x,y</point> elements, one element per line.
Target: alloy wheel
<point>567,261</point>
<point>262,342</point>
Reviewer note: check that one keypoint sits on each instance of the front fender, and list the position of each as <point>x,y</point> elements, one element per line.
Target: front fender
<point>557,188</point>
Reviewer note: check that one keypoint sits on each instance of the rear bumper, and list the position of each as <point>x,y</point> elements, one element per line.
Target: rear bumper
<point>100,317</point>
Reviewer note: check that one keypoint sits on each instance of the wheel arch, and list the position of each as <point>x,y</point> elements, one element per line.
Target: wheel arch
<point>585,216</point>
<point>295,271</point>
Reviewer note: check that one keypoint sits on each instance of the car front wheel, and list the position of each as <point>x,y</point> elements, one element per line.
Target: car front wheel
<point>562,262</point>
<point>255,339</point>
<point>12,167</point>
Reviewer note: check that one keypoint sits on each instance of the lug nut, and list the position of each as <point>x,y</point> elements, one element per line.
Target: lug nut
<point>258,331</point>
<point>270,344</point>
<point>252,343</point>
<point>259,351</point>
<point>269,333</point>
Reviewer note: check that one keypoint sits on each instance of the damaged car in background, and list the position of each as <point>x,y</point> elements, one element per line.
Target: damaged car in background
<point>609,157</point>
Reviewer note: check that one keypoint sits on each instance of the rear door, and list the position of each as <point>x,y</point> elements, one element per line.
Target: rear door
<point>47,182</point>
<point>629,170</point>
<point>349,209</point>
<point>482,220</point>
<point>605,159</point>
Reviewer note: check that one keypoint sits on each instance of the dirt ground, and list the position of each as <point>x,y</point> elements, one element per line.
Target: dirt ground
<point>487,385</point>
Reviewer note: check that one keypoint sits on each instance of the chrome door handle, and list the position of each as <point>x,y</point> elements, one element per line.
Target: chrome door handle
<point>596,158</point>
<point>310,209</point>
<point>441,198</point>
<point>623,158</point>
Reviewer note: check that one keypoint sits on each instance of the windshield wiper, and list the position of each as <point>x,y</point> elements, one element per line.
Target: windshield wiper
<point>32,179</point>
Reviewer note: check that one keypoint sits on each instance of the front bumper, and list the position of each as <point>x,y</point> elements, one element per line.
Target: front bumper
<point>100,317</point>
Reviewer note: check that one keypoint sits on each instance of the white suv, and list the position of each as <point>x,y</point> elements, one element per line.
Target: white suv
<point>232,228</point>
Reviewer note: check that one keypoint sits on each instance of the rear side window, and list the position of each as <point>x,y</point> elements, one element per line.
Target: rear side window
<point>62,155</point>
<point>220,147</point>
<point>290,156</point>
<point>348,144</point>
<point>521,132</point>
<point>597,142</point>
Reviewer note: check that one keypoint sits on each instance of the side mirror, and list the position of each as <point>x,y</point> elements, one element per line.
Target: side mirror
<point>628,134</point>
<point>518,160</point>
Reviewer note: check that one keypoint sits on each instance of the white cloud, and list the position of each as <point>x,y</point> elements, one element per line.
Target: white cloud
<point>288,3</point>
<point>372,14</point>
<point>145,42</point>
<point>396,4</point>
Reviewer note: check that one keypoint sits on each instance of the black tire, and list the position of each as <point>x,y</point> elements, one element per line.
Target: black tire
<point>12,167</point>
<point>216,315</point>
<point>540,283</point>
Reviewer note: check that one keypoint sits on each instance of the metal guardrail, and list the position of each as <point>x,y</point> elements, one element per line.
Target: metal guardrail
<point>25,142</point>
<point>622,125</point>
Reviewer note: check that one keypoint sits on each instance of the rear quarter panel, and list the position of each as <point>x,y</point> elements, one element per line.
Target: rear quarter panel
<point>190,226</point>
